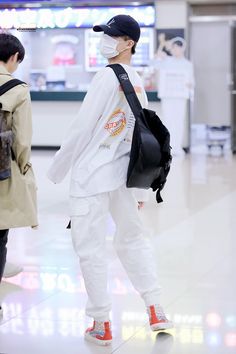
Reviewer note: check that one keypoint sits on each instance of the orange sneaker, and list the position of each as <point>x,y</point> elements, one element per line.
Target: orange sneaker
<point>157,318</point>
<point>99,334</point>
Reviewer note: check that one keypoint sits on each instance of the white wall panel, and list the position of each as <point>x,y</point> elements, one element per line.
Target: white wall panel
<point>171,14</point>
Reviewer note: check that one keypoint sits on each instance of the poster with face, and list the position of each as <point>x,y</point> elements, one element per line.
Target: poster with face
<point>65,49</point>
<point>166,35</point>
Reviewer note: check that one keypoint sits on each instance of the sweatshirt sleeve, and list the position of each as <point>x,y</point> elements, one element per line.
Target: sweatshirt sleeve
<point>81,129</point>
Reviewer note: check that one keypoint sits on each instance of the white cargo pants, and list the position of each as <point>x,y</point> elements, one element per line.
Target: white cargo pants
<point>88,226</point>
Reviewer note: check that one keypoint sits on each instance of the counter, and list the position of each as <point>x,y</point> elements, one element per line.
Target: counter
<point>73,96</point>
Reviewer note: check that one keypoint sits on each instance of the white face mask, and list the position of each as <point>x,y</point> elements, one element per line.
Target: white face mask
<point>108,46</point>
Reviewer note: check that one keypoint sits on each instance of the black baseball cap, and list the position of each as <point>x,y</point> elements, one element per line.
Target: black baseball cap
<point>120,25</point>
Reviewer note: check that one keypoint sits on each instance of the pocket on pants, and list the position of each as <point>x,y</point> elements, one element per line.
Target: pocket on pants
<point>78,207</point>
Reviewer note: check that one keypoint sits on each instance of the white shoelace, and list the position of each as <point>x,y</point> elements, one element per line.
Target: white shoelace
<point>99,326</point>
<point>159,312</point>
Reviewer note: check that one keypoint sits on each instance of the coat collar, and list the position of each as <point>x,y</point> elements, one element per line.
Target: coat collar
<point>3,70</point>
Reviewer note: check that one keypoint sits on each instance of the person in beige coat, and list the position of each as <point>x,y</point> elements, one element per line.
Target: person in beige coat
<point>18,207</point>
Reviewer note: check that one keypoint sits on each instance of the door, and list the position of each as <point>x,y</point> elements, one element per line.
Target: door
<point>233,89</point>
<point>210,48</point>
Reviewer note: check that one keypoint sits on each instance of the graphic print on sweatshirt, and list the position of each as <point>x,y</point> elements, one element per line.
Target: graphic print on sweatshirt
<point>119,124</point>
<point>116,123</point>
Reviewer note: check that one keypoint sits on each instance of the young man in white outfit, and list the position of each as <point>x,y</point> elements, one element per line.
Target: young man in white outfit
<point>97,149</point>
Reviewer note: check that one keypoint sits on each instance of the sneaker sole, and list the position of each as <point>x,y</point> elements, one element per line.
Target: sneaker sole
<point>161,326</point>
<point>13,273</point>
<point>94,340</point>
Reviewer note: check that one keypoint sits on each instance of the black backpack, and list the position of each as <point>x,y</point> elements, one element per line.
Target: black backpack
<point>150,155</point>
<point>6,135</point>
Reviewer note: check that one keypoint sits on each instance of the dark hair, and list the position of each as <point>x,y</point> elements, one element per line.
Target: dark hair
<point>10,45</point>
<point>178,43</point>
<point>133,49</point>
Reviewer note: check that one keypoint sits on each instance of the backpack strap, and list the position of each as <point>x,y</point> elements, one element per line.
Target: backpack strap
<point>128,88</point>
<point>9,85</point>
<point>6,87</point>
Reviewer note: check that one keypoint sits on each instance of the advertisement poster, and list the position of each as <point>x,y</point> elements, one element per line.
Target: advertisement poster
<point>168,34</point>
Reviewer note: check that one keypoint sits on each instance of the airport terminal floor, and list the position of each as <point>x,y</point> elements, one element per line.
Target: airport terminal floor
<point>193,237</point>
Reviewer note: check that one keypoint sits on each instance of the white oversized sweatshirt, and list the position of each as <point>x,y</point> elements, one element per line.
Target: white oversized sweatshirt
<point>98,142</point>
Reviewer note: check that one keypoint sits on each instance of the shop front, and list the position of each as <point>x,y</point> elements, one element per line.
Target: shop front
<point>62,56</point>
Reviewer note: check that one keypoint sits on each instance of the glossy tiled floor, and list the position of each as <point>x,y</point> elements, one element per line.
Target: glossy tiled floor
<point>193,235</point>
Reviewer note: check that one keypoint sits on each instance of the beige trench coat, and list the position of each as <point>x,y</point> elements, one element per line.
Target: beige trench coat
<point>18,207</point>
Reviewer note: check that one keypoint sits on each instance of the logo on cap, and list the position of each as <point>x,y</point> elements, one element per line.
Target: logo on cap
<point>110,22</point>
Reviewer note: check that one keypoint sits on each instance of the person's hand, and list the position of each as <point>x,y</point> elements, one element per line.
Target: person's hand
<point>140,205</point>
<point>160,54</point>
<point>162,38</point>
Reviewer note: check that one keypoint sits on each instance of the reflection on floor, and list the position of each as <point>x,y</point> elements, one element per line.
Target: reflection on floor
<point>193,235</point>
